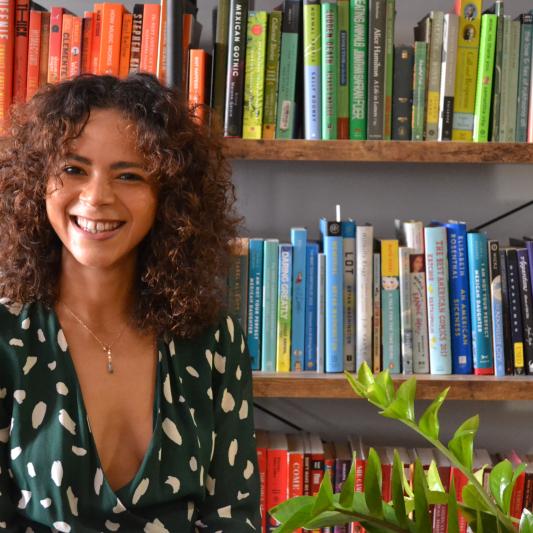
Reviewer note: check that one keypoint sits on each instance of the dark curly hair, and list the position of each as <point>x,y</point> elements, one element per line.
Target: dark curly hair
<point>183,261</point>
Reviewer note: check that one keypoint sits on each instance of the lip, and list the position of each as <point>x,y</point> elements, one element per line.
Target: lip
<point>100,236</point>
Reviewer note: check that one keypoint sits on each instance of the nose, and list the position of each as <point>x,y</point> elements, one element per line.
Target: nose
<point>97,190</point>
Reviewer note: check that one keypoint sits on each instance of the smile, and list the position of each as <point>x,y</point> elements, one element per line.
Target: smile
<point>96,226</point>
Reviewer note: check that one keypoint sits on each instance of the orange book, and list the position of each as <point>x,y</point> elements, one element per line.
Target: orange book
<point>43,52</point>
<point>125,45</point>
<point>66,36</point>
<point>360,450</point>
<point>54,47</point>
<point>7,48</point>
<point>277,473</point>
<point>199,62</point>
<point>34,46</point>
<point>136,37</point>
<point>261,439</point>
<point>110,33</point>
<point>459,481</point>
<point>150,38</point>
<point>95,39</point>
<point>162,48</point>
<point>86,42</point>
<point>20,66</point>
<point>74,54</point>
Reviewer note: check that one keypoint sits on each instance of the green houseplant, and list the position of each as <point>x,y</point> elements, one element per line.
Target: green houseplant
<point>486,511</point>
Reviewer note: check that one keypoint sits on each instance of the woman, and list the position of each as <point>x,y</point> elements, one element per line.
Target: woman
<point>125,393</point>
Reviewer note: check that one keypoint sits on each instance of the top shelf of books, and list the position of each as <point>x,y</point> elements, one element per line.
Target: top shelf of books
<point>380,151</point>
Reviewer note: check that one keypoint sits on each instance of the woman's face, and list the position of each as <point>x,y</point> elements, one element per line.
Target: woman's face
<point>104,203</point>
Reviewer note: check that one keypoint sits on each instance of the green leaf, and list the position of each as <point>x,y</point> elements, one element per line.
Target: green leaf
<point>365,376</point>
<point>472,498</point>
<point>324,498</point>
<point>423,523</point>
<point>283,511</point>
<point>327,519</point>
<point>462,443</point>
<point>373,484</point>
<point>397,490</point>
<point>297,520</point>
<point>479,524</point>
<point>429,421</point>
<point>403,406</point>
<point>453,517</point>
<point>347,490</point>
<point>357,387</point>
<point>500,479</point>
<point>433,478</point>
<point>384,382</point>
<point>526,522</point>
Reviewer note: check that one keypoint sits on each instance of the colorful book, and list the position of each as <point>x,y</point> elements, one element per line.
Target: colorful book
<point>390,14</point>
<point>497,9</point>
<point>136,38</point>
<point>311,306</point>
<point>419,91</point>
<point>348,246</point>
<point>299,253</point>
<point>255,301</point>
<point>199,64</point>
<point>277,483</point>
<point>271,74</point>
<point>390,307</point>
<point>321,313</point>
<point>254,78</point>
<point>270,305</point>
<point>434,75</point>
<point>527,307</point>
<point>7,48</point>
<point>506,316</point>
<point>329,68</point>
<point>363,294</point>
<point>238,280</point>
<point>406,324</point>
<point>261,439</point>
<point>283,355</point>
<point>436,248</point>
<point>495,280</point>
<point>74,55</point>
<point>515,311</point>
<point>150,38</point>
<point>376,322</point>
<point>54,50</point>
<point>480,316</point>
<point>402,103</point>
<point>109,53</point>
<point>34,46</point>
<point>20,64</point>
<point>524,76</point>
<point>312,69</point>
<point>66,34</point>
<point>343,89</point>
<point>125,45</point>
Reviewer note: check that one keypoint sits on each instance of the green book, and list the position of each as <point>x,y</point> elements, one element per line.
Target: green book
<point>343,93</point>
<point>487,47</point>
<point>419,90</point>
<point>358,68</point>
<point>221,57</point>
<point>254,77</point>
<point>389,67</point>
<point>497,78</point>
<point>272,74</point>
<point>330,69</point>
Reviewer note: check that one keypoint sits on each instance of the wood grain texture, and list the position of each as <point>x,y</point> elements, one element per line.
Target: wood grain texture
<point>380,151</point>
<point>308,385</point>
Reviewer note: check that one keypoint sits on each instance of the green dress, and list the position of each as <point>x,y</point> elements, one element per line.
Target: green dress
<point>200,469</point>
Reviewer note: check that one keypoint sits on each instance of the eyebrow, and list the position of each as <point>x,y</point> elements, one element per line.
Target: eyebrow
<point>119,165</point>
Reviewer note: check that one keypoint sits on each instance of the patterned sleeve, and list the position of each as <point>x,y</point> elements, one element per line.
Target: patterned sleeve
<point>232,500</point>
<point>8,512</point>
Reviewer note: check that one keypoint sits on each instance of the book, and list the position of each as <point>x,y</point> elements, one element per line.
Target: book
<point>436,250</point>
<point>150,38</point>
<point>111,26</point>
<point>87,41</point>
<point>390,306</point>
<point>434,75</point>
<point>312,69</point>
<point>136,38</point>
<point>311,305</point>
<point>349,269</point>
<point>20,63</point>
<point>506,317</point>
<point>270,305</point>
<point>161,66</point>
<point>524,282</point>
<point>329,68</point>
<point>363,294</point>
<point>125,45</point>
<point>254,78</point>
<point>358,70</point>
<point>321,313</point>
<point>511,57</point>
<point>343,462</point>
<point>515,311</point>
<point>45,44</point>
<point>390,14</point>
<point>495,281</point>
<point>406,324</point>
<point>419,91</point>
<point>402,104</point>
<point>283,354</point>
<point>221,57</point>
<point>66,34</point>
<point>199,64</point>
<point>74,53</point>
<point>343,75</point>
<point>261,439</point>
<point>299,253</point>
<point>54,50</point>
<point>7,48</point>
<point>238,280</point>
<point>271,74</point>
<point>34,46</point>
<point>295,459</point>
<point>524,76</point>
<point>440,511</point>
<point>277,486</point>
<point>376,313</point>
<point>497,9</point>
<point>255,300</point>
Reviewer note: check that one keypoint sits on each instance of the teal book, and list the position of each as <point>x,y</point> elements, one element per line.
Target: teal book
<point>255,300</point>
<point>270,305</point>
<point>330,69</point>
<point>299,251</point>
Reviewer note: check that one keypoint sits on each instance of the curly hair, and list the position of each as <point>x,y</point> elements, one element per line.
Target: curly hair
<point>183,261</point>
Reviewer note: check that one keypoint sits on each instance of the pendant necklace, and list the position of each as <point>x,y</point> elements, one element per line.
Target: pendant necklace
<point>105,347</point>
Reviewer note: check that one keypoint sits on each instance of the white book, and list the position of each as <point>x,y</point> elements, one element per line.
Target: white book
<point>406,329</point>
<point>321,313</point>
<point>376,322</point>
<point>363,294</point>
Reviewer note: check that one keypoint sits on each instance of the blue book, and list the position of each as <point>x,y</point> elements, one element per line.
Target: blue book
<point>333,250</point>
<point>321,312</point>
<point>299,244</point>
<point>311,280</point>
<point>478,270</point>
<point>270,305</point>
<point>496,302</point>
<point>438,301</point>
<point>459,298</point>
<point>348,239</point>
<point>255,300</point>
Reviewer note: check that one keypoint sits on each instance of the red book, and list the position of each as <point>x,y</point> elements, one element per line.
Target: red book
<point>440,515</point>
<point>34,47</point>
<point>261,439</point>
<point>95,38</point>
<point>386,458</point>
<point>162,46</point>
<point>277,474</point>
<point>66,36</point>
<point>7,47</point>
<point>198,75</point>
<point>317,458</point>
<point>45,44</point>
<point>528,486</point>
<point>459,482</point>
<point>54,49</point>
<point>86,42</point>
<point>360,450</point>
<point>517,498</point>
<point>20,66</point>
<point>110,35</point>
<point>150,38</point>
<point>295,443</point>
<point>125,45</point>
<point>74,54</point>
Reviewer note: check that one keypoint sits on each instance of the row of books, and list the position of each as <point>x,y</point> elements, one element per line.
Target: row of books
<point>329,70</point>
<point>436,299</point>
<point>293,465</point>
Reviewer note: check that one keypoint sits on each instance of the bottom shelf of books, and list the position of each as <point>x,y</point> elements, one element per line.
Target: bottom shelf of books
<point>462,387</point>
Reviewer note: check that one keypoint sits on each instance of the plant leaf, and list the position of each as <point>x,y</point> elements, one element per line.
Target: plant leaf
<point>297,520</point>
<point>403,405</point>
<point>499,481</point>
<point>429,421</point>
<point>453,517</point>
<point>433,478</point>
<point>347,489</point>
<point>526,522</point>
<point>373,484</point>
<point>328,518</point>
<point>423,523</point>
<point>383,381</point>
<point>462,443</point>
<point>357,387</point>
<point>324,498</point>
<point>283,511</point>
<point>397,491</point>
<point>473,499</point>
<point>365,376</point>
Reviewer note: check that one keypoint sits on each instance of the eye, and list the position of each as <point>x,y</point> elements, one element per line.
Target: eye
<point>130,176</point>
<point>72,170</point>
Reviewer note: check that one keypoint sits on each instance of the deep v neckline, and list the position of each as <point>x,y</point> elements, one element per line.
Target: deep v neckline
<point>125,490</point>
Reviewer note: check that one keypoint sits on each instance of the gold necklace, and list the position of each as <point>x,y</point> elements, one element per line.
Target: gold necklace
<point>105,347</point>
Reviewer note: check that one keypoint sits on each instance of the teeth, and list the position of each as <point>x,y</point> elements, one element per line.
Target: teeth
<point>92,226</point>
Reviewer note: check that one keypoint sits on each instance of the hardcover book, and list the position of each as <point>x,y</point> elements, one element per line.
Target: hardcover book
<point>311,305</point>
<point>269,322</point>
<point>329,69</point>
<point>255,301</point>
<point>434,75</point>
<point>406,328</point>
<point>271,74</point>
<point>390,306</point>
<point>495,280</point>
<point>524,76</point>
<point>283,355</point>
<point>419,91</point>
<point>299,252</point>
<point>343,89</point>
<point>527,307</point>
<point>515,311</point>
<point>363,294</point>
<point>402,104</point>
<point>349,264</point>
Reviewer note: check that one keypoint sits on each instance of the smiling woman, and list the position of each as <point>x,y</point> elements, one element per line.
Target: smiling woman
<point>125,391</point>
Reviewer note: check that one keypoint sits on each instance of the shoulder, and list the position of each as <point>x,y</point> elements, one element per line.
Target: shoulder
<point>12,316</point>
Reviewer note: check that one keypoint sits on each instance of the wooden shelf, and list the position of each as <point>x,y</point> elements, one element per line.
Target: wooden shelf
<point>380,151</point>
<point>330,386</point>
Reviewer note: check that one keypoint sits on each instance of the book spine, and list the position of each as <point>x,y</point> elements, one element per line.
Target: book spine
<point>459,481</point>
<point>109,60</point>
<point>321,313</point>
<point>7,48</point>
<point>495,280</point>
<point>329,69</point>
<point>283,355</point>
<point>434,74</point>
<point>136,38</point>
<point>254,78</point>
<point>125,45</point>
<point>150,38</point>
<point>524,77</point>
<point>447,81</point>
<point>262,468</point>
<point>238,280</point>
<point>376,322</point>
<point>506,317</point>
<point>509,102</point>
<point>96,37</point>
<point>34,45</point>
<point>478,273</point>
<point>363,295</point>
<point>349,263</point>
<point>376,69</point>
<point>402,104</point>
<point>161,65</point>
<point>74,56</point>
<point>527,307</point>
<point>221,56</point>
<point>286,108</point>
<point>358,68</point>
<point>419,315</point>
<point>461,333</point>
<point>196,83</point>
<point>295,477</point>
<point>43,52</point>
<point>438,300</point>
<point>333,250</point>
<point>341,469</point>
<point>515,312</point>
<point>390,13</point>
<point>271,74</point>
<point>517,497</point>
<point>54,49</point>
<point>466,73</point>
<point>277,485</point>
<point>343,94</point>
<point>66,34</point>
<point>86,39</point>
<point>487,47</point>
<point>506,72</point>
<point>299,244</point>
<point>390,306</point>
<point>497,76</point>
<point>312,69</point>
<point>20,64</point>
<point>270,305</point>
<point>311,302</point>
<point>419,91</point>
<point>406,324</point>
<point>255,301</point>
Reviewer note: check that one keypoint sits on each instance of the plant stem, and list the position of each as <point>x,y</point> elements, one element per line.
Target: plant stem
<point>370,519</point>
